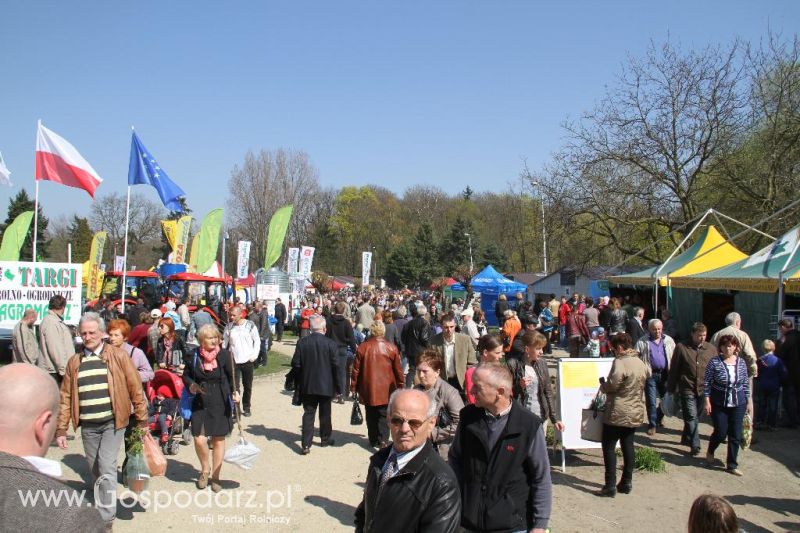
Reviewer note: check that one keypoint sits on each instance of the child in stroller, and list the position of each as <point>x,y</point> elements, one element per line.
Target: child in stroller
<point>164,392</point>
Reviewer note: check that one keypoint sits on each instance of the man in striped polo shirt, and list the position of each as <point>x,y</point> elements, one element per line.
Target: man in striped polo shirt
<point>99,386</point>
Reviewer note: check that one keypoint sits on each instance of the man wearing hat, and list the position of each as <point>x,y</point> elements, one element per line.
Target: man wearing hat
<point>152,332</point>
<point>468,326</point>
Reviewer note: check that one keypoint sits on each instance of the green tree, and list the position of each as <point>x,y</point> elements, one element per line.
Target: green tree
<point>327,249</point>
<point>17,205</point>
<point>402,267</point>
<point>80,236</point>
<point>493,255</point>
<point>454,249</point>
<point>425,252</point>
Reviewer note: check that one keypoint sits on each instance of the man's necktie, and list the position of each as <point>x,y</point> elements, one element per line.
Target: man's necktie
<point>389,470</point>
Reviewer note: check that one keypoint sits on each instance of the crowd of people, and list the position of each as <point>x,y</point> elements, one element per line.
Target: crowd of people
<point>463,409</point>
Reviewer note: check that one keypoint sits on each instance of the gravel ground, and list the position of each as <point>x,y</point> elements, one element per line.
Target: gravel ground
<point>319,492</point>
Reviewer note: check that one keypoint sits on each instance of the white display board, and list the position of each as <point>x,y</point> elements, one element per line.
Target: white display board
<point>578,381</point>
<point>31,285</point>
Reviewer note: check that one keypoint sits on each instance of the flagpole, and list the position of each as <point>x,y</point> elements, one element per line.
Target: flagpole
<point>125,248</point>
<point>35,218</point>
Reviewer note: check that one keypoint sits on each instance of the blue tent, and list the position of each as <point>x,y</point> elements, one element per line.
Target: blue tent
<point>491,283</point>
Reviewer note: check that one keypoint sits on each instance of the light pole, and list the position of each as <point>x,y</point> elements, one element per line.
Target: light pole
<point>375,264</point>
<point>224,239</point>
<point>544,228</point>
<point>469,239</point>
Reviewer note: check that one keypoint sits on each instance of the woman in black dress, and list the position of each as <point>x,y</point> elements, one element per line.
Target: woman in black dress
<point>208,374</point>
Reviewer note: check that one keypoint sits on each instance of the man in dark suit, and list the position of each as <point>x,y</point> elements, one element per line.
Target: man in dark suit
<point>418,491</point>
<point>456,351</point>
<point>30,399</point>
<point>316,363</point>
<point>789,352</point>
<point>635,328</point>
<point>280,316</point>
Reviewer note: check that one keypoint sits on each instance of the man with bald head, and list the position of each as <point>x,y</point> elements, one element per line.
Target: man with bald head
<point>499,455</point>
<point>23,339</point>
<point>418,491</point>
<point>30,399</point>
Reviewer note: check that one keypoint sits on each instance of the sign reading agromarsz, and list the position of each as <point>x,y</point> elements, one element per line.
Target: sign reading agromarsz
<point>31,285</point>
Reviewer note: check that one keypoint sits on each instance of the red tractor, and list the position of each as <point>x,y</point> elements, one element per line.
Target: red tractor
<point>201,292</point>
<point>139,284</point>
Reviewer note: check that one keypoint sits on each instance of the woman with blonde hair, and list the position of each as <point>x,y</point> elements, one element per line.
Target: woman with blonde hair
<point>209,376</point>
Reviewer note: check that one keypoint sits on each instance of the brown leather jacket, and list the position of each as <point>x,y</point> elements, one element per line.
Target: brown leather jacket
<point>376,371</point>
<point>124,387</point>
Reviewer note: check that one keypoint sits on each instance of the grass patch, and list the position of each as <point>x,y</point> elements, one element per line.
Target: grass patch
<point>649,460</point>
<point>550,436</point>
<point>276,362</point>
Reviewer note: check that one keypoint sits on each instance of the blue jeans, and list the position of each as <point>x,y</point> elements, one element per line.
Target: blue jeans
<point>727,421</point>
<point>562,335</point>
<point>768,407</point>
<point>654,388</point>
<point>691,430</point>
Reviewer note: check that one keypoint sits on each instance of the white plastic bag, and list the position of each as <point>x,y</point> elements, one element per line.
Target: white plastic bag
<point>242,454</point>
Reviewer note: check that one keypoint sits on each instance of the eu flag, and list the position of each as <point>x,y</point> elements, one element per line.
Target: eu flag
<point>143,169</point>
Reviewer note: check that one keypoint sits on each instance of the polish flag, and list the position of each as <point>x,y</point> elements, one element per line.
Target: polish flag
<point>59,161</point>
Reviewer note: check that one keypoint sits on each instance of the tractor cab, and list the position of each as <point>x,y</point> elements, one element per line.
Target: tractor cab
<point>201,292</point>
<point>138,284</point>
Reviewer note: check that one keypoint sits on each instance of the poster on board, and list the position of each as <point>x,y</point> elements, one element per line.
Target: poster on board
<point>578,381</point>
<point>31,285</point>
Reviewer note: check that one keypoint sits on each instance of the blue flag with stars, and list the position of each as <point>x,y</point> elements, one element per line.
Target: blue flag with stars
<point>143,169</point>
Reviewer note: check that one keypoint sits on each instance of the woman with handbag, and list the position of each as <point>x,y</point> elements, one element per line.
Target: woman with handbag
<point>171,349</point>
<point>447,398</point>
<point>208,375</point>
<point>624,412</point>
<point>376,374</point>
<point>726,389</point>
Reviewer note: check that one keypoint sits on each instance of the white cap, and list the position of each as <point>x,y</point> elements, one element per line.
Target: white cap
<point>155,313</point>
<point>468,312</point>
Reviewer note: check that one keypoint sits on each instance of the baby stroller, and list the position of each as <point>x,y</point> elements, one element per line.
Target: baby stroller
<point>169,386</point>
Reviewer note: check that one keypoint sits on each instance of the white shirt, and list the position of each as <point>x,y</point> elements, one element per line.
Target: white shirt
<point>243,340</point>
<point>46,466</point>
<point>472,331</point>
<point>450,357</point>
<point>405,457</point>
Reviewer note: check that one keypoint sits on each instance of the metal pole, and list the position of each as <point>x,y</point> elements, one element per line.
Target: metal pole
<point>125,248</point>
<point>69,252</point>
<point>35,218</point>
<point>224,239</point>
<point>544,229</point>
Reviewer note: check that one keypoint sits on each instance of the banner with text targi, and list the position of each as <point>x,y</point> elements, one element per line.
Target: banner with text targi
<point>366,264</point>
<point>242,259</point>
<point>306,258</point>
<point>294,258</point>
<point>25,285</point>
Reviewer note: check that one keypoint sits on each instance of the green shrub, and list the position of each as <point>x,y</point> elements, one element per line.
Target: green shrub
<point>649,460</point>
<point>550,437</point>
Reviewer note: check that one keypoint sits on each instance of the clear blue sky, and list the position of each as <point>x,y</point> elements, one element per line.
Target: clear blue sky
<point>452,93</point>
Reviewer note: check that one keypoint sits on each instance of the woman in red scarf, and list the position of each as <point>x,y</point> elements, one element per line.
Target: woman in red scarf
<point>209,376</point>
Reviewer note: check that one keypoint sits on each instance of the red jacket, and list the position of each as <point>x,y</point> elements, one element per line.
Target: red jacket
<point>563,312</point>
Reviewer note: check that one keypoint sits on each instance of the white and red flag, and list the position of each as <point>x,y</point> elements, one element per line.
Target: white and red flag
<point>59,161</point>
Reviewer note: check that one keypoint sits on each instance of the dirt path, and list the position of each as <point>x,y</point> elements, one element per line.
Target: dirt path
<point>319,492</point>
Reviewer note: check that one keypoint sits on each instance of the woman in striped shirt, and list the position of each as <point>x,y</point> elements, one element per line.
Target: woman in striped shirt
<point>727,398</point>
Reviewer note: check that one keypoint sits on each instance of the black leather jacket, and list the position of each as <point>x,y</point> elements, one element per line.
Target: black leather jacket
<point>416,337</point>
<point>424,496</point>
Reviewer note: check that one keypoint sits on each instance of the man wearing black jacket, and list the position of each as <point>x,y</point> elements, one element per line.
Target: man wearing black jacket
<point>416,337</point>
<point>499,456</point>
<point>316,362</point>
<point>341,332</point>
<point>280,316</point>
<point>418,491</point>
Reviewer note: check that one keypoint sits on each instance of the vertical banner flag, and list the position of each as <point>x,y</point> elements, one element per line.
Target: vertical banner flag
<point>59,161</point>
<point>306,258</point>
<point>170,228</point>
<point>193,253</point>
<point>242,259</point>
<point>95,279</point>
<point>277,233</point>
<point>294,257</point>
<point>209,240</point>
<point>143,169</point>
<point>14,236</point>
<point>183,228</point>
<point>5,174</point>
<point>119,263</point>
<point>366,264</point>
